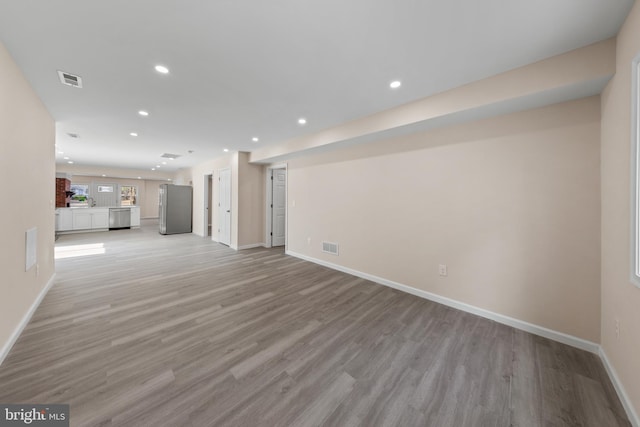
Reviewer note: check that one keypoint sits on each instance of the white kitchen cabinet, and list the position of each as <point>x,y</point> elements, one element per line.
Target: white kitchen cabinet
<point>64,220</point>
<point>100,218</point>
<point>81,219</point>
<point>90,219</point>
<point>135,216</point>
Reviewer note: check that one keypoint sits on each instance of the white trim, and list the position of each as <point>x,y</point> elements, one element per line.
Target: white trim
<point>622,394</point>
<point>251,246</point>
<point>500,318</point>
<point>6,348</point>
<point>208,200</point>
<point>635,172</point>
<point>269,199</point>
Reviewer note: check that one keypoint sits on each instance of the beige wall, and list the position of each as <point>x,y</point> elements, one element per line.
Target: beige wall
<point>149,200</point>
<point>510,204</point>
<point>27,167</point>
<point>247,197</point>
<point>620,299</point>
<point>147,191</point>
<point>251,197</point>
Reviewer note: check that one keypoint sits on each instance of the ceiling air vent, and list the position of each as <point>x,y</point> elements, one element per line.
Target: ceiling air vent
<point>70,79</point>
<point>73,135</point>
<point>330,248</point>
<point>170,156</point>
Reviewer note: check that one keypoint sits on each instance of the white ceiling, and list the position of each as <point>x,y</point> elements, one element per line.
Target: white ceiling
<point>240,69</point>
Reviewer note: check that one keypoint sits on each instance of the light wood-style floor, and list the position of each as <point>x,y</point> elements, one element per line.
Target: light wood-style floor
<point>148,330</point>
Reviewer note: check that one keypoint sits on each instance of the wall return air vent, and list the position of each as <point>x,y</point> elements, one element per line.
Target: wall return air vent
<point>70,79</point>
<point>170,156</point>
<point>330,248</point>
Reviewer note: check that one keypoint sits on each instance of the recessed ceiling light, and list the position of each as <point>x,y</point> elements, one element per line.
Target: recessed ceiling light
<point>139,177</point>
<point>395,84</point>
<point>164,163</point>
<point>158,166</point>
<point>143,113</point>
<point>226,150</point>
<point>60,152</point>
<point>153,169</point>
<point>66,158</point>
<point>133,134</point>
<point>104,175</point>
<point>255,139</point>
<point>162,69</point>
<point>171,158</point>
<point>168,179</point>
<point>302,121</point>
<point>70,162</point>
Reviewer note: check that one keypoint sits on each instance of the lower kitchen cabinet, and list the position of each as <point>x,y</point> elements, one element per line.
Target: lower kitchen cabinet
<point>64,220</point>
<point>100,219</point>
<point>135,216</point>
<point>90,219</point>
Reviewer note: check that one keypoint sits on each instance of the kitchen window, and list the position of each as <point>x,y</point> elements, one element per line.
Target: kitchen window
<point>81,196</point>
<point>128,195</point>
<point>635,171</point>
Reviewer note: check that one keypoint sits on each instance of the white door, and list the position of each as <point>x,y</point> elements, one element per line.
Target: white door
<point>278,206</point>
<point>224,190</point>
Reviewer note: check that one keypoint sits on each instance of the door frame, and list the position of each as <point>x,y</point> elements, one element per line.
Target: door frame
<point>269,200</point>
<point>208,199</point>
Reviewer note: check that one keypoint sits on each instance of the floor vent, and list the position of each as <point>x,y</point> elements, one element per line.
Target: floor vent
<point>330,248</point>
<point>70,79</point>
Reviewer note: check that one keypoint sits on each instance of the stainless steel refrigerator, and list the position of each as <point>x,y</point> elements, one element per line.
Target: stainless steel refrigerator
<point>175,208</point>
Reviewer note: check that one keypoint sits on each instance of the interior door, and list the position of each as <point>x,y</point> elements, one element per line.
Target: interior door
<point>278,206</point>
<point>224,226</point>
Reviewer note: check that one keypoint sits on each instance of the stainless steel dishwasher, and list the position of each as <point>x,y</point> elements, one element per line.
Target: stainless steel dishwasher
<point>119,218</point>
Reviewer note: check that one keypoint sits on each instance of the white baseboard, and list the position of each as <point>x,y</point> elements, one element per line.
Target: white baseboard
<point>622,394</point>
<point>251,246</point>
<point>505,320</point>
<point>6,348</point>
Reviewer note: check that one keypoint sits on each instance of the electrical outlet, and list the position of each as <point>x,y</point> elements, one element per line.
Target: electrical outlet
<point>442,269</point>
<point>617,321</point>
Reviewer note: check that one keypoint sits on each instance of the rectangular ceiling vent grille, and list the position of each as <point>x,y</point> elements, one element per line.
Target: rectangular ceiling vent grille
<point>70,79</point>
<point>330,248</point>
<point>170,156</point>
